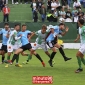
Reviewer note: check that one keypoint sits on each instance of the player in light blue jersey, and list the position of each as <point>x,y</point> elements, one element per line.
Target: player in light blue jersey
<point>52,41</point>
<point>4,32</point>
<point>25,44</point>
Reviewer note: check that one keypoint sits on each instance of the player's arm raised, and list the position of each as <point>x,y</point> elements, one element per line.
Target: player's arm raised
<point>31,35</point>
<point>66,30</point>
<point>78,37</point>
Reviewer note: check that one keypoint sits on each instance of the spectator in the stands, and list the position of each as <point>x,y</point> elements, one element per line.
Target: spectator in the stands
<point>68,14</point>
<point>35,15</point>
<point>75,17</point>
<point>81,17</point>
<point>58,5</point>
<point>77,4</point>
<point>6,11</point>
<point>43,13</point>
<point>3,2</point>
<point>81,1</point>
<point>33,6</point>
<point>48,5</point>
<point>53,5</point>
<point>6,1</point>
<point>64,3</point>
<point>39,5</point>
<point>12,1</point>
<point>80,13</point>
<point>74,10</point>
<point>84,3</point>
<point>69,3</point>
<point>62,19</point>
<point>55,15</point>
<point>68,20</point>
<point>50,17</point>
<point>62,12</point>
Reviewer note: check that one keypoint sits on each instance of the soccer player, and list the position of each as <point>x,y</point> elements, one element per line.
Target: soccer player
<point>5,33</point>
<point>12,43</point>
<point>40,41</point>
<point>52,41</point>
<point>25,45</point>
<point>81,52</point>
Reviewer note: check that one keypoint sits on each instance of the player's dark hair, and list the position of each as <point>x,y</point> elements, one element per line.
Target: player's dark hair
<point>61,24</point>
<point>6,23</point>
<point>29,33</point>
<point>81,21</point>
<point>23,25</point>
<point>44,26</point>
<point>17,25</point>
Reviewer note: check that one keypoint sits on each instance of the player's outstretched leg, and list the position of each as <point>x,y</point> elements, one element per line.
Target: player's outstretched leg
<point>48,54</point>
<point>79,56</point>
<point>38,56</point>
<point>8,59</point>
<point>63,54</point>
<point>29,58</point>
<point>51,58</point>
<point>16,54</point>
<point>14,57</point>
<point>79,63</point>
<point>17,64</point>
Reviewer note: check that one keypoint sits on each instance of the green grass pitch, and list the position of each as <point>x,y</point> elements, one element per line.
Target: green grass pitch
<point>62,72</point>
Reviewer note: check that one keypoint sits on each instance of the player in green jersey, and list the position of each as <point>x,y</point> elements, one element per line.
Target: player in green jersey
<point>81,52</point>
<point>11,44</point>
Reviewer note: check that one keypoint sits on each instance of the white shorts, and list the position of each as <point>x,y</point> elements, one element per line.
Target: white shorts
<point>82,49</point>
<point>43,46</point>
<point>16,46</point>
<point>11,48</point>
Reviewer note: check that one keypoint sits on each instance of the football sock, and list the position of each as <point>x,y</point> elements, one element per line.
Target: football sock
<point>17,59</point>
<point>38,56</point>
<point>62,52</point>
<point>79,62</point>
<point>83,60</point>
<point>14,57</point>
<point>29,57</point>
<point>8,57</point>
<point>52,55</point>
<point>3,57</point>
